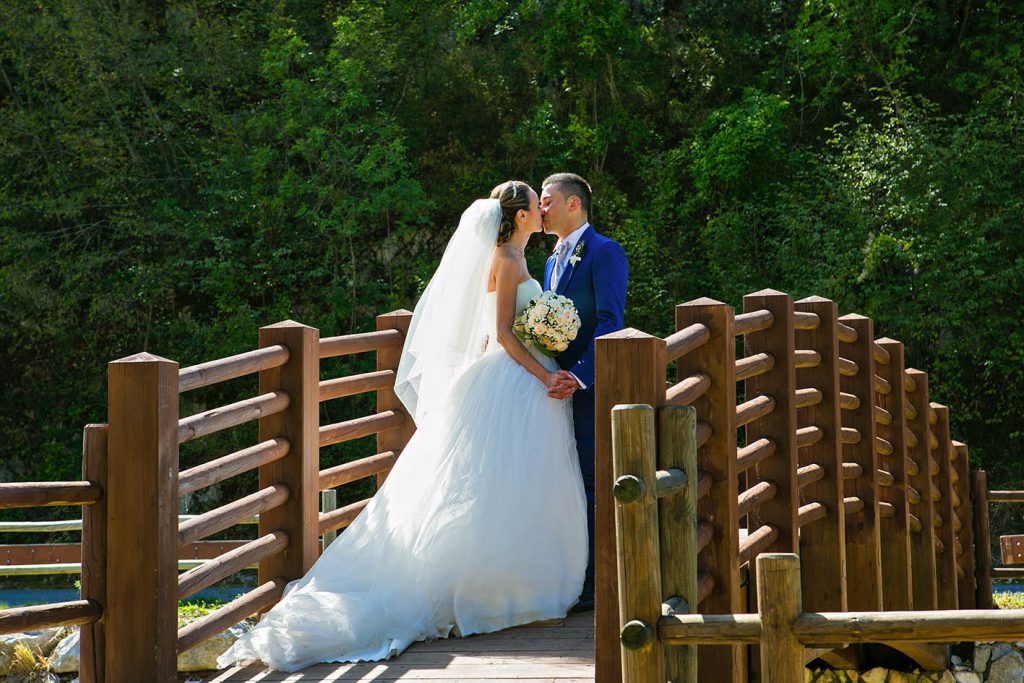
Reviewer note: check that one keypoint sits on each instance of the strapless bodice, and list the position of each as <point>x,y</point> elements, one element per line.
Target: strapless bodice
<point>526,291</point>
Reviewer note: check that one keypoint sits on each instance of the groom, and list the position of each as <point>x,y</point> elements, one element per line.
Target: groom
<point>590,269</point>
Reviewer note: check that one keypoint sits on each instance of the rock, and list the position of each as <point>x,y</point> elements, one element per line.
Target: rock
<point>1007,669</point>
<point>966,677</point>
<point>65,656</point>
<point>982,655</point>
<point>876,675</point>
<point>1000,650</point>
<point>39,642</point>
<point>203,657</point>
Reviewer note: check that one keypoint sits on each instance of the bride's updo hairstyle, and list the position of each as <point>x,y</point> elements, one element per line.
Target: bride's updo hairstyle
<point>513,196</point>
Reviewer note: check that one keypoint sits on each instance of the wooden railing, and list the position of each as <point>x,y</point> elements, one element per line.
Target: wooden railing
<point>654,461</point>
<point>131,534</point>
<point>835,453</point>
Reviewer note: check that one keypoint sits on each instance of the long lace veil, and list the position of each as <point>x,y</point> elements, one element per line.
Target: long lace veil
<point>448,327</point>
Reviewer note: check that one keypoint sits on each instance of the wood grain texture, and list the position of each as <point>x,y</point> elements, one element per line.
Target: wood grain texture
<point>93,554</point>
<point>897,570</point>
<point>393,438</point>
<point>779,604</point>
<point>140,618</point>
<point>863,542</point>
<point>945,562</point>
<point>823,544</point>
<point>982,550</point>
<point>922,545</point>
<point>298,471</point>
<point>629,368</point>
<point>717,457</point>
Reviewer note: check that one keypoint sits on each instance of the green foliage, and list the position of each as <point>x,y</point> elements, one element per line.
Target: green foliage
<point>173,176</point>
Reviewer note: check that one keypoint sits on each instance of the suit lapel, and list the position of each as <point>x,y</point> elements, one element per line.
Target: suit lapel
<point>570,269</point>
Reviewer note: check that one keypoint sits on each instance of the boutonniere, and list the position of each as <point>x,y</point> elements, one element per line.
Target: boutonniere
<point>577,254</point>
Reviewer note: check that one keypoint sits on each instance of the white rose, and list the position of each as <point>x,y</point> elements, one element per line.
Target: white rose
<point>561,346</point>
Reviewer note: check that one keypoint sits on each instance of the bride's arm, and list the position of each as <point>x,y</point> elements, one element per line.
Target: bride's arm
<point>507,283</point>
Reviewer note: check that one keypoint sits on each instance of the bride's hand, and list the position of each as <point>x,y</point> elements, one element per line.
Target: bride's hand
<point>560,385</point>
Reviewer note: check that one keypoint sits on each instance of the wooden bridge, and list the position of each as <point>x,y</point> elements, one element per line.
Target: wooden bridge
<point>832,450</point>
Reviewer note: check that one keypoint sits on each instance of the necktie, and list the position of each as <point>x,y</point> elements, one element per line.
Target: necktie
<point>556,273</point>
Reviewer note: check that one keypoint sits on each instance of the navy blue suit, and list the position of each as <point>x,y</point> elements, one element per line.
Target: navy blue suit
<point>597,286</point>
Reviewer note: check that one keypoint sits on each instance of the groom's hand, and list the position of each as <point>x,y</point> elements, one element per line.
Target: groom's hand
<point>565,387</point>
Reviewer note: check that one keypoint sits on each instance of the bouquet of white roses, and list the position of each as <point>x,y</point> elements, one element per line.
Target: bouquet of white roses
<point>550,321</point>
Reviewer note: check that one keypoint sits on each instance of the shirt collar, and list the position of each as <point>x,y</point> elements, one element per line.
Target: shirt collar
<point>574,237</point>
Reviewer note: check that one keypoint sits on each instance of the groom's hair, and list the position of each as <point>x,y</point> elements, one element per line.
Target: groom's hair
<point>571,185</point>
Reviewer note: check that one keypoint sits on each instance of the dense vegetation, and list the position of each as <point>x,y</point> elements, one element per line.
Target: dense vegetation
<point>175,174</point>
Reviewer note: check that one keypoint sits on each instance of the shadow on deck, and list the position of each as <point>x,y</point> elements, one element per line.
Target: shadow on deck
<point>555,651</point>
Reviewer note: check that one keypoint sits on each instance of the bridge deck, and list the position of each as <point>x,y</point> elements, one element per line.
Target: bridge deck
<point>554,652</point>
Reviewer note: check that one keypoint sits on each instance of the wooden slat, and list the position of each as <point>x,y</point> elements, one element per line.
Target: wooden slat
<point>231,465</point>
<point>225,516</point>
<point>686,340</point>
<point>753,453</point>
<point>719,581</point>
<point>809,474</point>
<point>35,617</point>
<point>847,368</point>
<point>342,517</point>
<point>966,585</point>
<point>223,369</point>
<point>881,355</point>
<point>806,358</point>
<point>232,415</point>
<point>393,437</point>
<point>757,494</point>
<point>808,436</point>
<point>804,320</point>
<point>982,550</point>
<point>749,322</point>
<point>946,580</point>
<point>863,541</point>
<point>48,493</point>
<point>805,398</point>
<point>688,390</point>
<point>142,509</point>
<point>92,555</point>
<point>210,625</point>
<point>897,566</point>
<point>1006,496</point>
<point>359,343</point>
<point>757,542</point>
<point>811,512</point>
<point>357,469</point>
<point>925,626</point>
<point>754,365</point>
<point>849,401</point>
<point>356,384</point>
<point>754,409</point>
<point>231,562</point>
<point>360,427</point>
<point>852,470</point>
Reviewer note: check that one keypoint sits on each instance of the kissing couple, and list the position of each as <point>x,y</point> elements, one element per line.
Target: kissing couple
<point>487,519</point>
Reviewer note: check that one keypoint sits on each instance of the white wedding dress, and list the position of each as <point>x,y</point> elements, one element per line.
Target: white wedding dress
<point>481,525</point>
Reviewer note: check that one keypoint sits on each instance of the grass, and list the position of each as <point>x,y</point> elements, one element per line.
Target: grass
<point>1009,600</point>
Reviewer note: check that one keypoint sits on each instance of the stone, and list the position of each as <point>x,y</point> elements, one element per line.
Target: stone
<point>876,675</point>
<point>1007,669</point>
<point>1000,650</point>
<point>65,656</point>
<point>39,642</point>
<point>967,677</point>
<point>982,655</point>
<point>203,657</point>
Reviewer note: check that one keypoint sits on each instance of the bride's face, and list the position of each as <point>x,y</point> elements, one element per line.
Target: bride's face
<point>530,220</point>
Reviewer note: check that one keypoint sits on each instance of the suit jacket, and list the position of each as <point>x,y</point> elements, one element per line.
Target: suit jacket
<point>597,285</point>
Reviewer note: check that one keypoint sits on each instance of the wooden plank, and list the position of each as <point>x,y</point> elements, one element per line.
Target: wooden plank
<point>717,457</point>
<point>779,604</point>
<point>26,494</point>
<point>922,545</point>
<point>1011,549</point>
<point>895,530</point>
<point>393,438</point>
<point>677,527</point>
<point>92,553</point>
<point>966,585</point>
<point>36,617</point>
<point>299,469</point>
<point>634,450</point>
<point>630,368</point>
<point>863,542</point>
<point>140,612</point>
<point>823,543</point>
<point>982,547</point>
<point>945,562</point>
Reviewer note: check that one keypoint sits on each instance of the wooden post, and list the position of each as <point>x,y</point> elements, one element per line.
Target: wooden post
<point>394,438</point>
<point>299,470</point>
<point>779,604</point>
<point>717,457</point>
<point>141,607</point>
<point>780,427</point>
<point>677,529</point>
<point>966,584</point>
<point>863,542</point>
<point>982,542</point>
<point>823,543</point>
<point>945,561</point>
<point>636,527</point>
<point>629,368</point>
<point>94,553</point>
<point>922,545</point>
<point>895,530</point>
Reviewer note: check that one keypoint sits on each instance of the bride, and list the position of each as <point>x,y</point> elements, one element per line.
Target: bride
<point>481,525</point>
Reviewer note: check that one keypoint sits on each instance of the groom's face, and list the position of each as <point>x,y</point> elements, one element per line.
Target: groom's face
<point>554,211</point>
